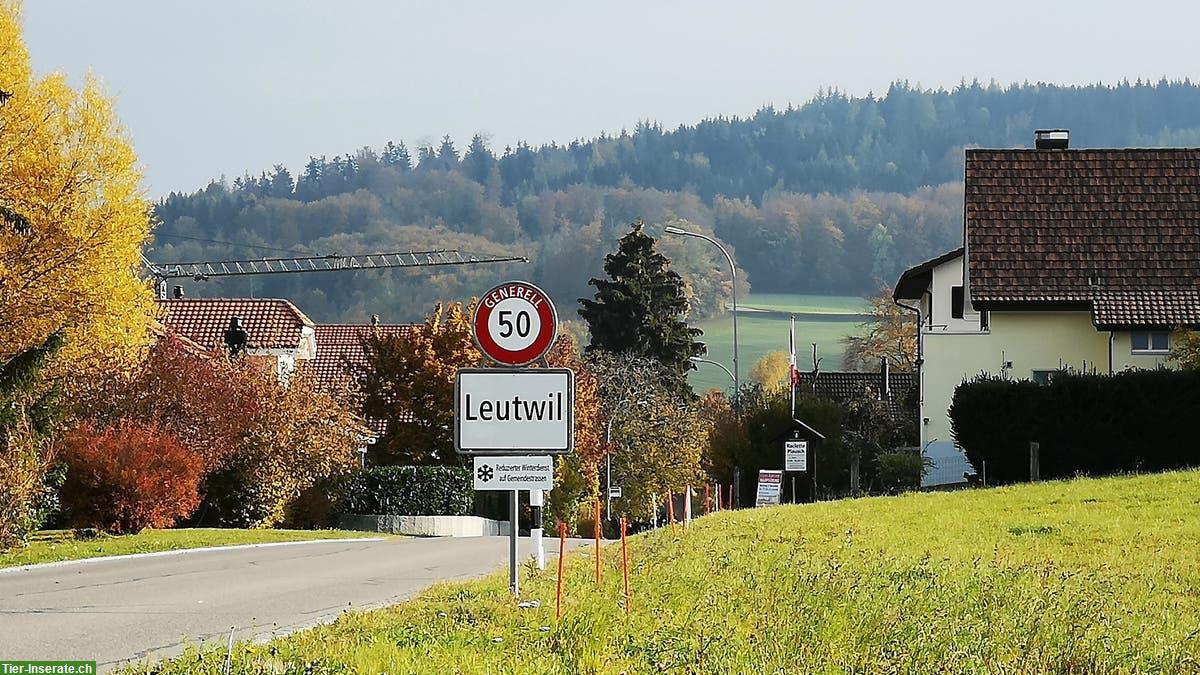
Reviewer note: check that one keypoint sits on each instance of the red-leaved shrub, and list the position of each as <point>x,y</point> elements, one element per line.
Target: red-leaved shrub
<point>129,477</point>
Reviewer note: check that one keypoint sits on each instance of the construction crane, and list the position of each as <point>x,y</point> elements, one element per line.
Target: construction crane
<point>200,271</point>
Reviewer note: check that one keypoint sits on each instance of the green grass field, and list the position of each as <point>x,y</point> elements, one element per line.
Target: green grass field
<point>1082,576</point>
<point>57,545</point>
<point>759,333</point>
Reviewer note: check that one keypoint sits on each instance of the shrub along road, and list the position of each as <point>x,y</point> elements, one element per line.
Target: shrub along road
<point>112,610</point>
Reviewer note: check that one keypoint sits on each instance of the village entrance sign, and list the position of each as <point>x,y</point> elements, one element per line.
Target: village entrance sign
<point>511,417</point>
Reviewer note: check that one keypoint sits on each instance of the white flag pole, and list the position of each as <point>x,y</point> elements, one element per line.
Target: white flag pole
<point>792,374</point>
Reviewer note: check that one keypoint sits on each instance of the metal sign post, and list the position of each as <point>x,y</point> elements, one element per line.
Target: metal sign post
<point>512,419</point>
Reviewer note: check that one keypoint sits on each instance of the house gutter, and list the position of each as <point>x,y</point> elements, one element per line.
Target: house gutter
<point>1110,344</point>
<point>920,367</point>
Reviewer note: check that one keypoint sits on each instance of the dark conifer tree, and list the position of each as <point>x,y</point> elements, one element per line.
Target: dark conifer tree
<point>397,156</point>
<point>447,155</point>
<point>478,162</point>
<point>641,308</point>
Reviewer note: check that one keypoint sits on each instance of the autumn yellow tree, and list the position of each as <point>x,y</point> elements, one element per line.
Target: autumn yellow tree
<point>575,474</point>
<point>771,370</point>
<point>72,215</point>
<point>891,332</point>
<point>296,437</point>
<point>410,385</point>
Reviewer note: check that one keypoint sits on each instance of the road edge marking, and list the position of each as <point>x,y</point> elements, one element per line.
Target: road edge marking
<point>180,551</point>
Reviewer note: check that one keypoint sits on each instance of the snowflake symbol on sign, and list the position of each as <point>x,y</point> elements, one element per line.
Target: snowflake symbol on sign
<point>485,473</point>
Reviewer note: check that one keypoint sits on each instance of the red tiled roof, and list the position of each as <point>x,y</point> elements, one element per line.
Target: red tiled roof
<point>1159,309</point>
<point>340,353</point>
<point>341,357</point>
<point>1066,226</point>
<point>271,323</point>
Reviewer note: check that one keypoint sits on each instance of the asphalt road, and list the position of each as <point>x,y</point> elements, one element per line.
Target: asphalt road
<point>121,609</point>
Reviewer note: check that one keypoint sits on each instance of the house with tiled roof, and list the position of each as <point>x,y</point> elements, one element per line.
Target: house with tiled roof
<point>1083,259</point>
<point>342,357</point>
<point>274,328</point>
<point>895,389</point>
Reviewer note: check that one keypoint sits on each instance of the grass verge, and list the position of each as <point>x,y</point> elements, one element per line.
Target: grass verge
<point>1082,576</point>
<point>58,545</point>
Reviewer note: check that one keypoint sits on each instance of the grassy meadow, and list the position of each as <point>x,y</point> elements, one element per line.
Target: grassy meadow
<point>763,327</point>
<point>1081,576</point>
<point>59,545</point>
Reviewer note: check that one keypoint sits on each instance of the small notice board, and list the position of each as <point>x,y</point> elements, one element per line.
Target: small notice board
<point>795,456</point>
<point>769,483</point>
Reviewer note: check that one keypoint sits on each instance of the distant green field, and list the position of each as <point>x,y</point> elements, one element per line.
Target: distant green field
<point>759,333</point>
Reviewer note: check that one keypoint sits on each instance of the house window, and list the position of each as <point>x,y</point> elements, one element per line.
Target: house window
<point>983,320</point>
<point>1041,377</point>
<point>956,302</point>
<point>1151,341</point>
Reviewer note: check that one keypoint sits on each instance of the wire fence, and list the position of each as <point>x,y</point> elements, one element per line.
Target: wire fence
<point>950,471</point>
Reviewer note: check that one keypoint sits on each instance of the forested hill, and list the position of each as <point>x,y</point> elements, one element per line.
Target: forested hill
<point>833,196</point>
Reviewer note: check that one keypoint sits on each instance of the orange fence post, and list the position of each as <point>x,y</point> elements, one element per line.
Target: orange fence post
<point>731,504</point>
<point>597,529</point>
<point>671,510</point>
<point>562,548</point>
<point>625,565</point>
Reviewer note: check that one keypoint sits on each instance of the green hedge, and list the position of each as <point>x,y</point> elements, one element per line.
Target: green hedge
<point>408,491</point>
<point>1139,420</point>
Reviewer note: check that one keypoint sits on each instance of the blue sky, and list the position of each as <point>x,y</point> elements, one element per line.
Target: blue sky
<point>217,87</point>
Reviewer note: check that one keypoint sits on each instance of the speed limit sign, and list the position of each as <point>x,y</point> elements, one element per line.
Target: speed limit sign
<point>515,323</point>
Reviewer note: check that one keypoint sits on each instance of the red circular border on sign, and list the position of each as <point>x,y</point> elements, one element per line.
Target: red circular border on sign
<point>541,344</point>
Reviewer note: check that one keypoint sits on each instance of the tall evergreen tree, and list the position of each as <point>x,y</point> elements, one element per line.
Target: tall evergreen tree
<point>447,155</point>
<point>397,156</point>
<point>28,413</point>
<point>641,308</point>
<point>478,162</point>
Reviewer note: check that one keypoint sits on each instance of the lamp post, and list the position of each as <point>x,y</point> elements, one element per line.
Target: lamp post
<point>733,281</point>
<point>697,359</point>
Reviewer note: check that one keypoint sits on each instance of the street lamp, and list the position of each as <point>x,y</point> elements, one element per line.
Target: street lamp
<point>697,359</point>
<point>733,280</point>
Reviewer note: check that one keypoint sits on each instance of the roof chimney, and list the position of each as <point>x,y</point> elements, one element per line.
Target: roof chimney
<point>236,337</point>
<point>177,292</point>
<point>1052,139</point>
<point>885,371</point>
<point>375,320</point>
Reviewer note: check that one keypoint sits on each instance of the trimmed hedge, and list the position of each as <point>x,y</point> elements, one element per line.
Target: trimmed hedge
<point>408,491</point>
<point>1138,420</point>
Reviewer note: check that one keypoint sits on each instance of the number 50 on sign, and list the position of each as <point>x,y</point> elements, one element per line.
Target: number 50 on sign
<point>515,323</point>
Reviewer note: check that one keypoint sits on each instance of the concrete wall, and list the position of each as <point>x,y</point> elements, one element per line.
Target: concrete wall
<point>426,526</point>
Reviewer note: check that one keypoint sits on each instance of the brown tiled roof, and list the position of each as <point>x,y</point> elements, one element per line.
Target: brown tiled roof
<point>341,357</point>
<point>1160,309</point>
<point>340,353</point>
<point>842,386</point>
<point>1064,227</point>
<point>271,323</point>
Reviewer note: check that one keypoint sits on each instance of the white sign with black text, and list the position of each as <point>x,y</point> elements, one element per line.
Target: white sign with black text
<point>509,411</point>
<point>795,456</point>
<point>520,472</point>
